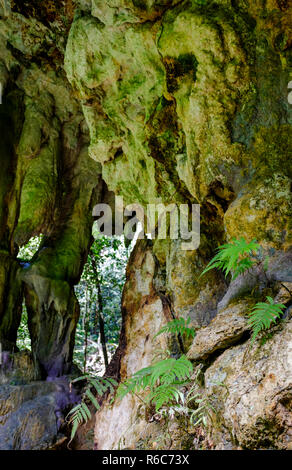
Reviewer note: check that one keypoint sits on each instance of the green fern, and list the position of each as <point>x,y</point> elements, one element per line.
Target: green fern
<point>164,394</point>
<point>162,379</point>
<point>192,405</point>
<point>235,257</point>
<point>203,412</point>
<point>178,326</point>
<point>80,414</point>
<point>263,315</point>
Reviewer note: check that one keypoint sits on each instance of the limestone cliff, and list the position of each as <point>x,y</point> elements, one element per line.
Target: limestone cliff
<point>188,101</point>
<point>48,184</point>
<point>173,101</point>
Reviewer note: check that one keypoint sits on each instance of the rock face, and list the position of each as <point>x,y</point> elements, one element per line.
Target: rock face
<point>115,425</point>
<point>27,416</point>
<point>254,406</point>
<point>160,101</point>
<point>48,184</point>
<point>227,328</point>
<point>31,412</point>
<point>188,101</point>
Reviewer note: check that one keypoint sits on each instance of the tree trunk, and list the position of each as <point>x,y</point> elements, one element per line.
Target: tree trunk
<point>99,310</point>
<point>101,326</point>
<point>85,326</point>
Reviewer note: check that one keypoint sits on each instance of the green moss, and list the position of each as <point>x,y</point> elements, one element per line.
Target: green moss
<point>272,150</point>
<point>177,68</point>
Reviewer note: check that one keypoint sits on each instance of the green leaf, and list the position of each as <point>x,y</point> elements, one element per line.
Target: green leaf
<point>74,429</point>
<point>92,399</point>
<point>86,410</point>
<point>266,263</point>
<point>263,315</point>
<point>178,326</point>
<point>234,256</point>
<point>162,380</point>
<point>83,413</point>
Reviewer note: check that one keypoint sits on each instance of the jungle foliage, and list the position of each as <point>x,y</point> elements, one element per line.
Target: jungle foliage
<point>99,294</point>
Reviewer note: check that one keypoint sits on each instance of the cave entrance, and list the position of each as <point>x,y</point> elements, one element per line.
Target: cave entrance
<point>99,293</point>
<point>25,256</point>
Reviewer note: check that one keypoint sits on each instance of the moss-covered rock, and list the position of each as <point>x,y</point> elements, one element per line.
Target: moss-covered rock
<point>49,185</point>
<point>188,102</point>
<point>168,101</point>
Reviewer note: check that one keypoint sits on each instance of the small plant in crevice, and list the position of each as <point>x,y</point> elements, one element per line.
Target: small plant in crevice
<point>81,413</point>
<point>235,257</point>
<point>162,381</point>
<point>238,257</point>
<point>168,388</point>
<point>263,315</point>
<point>178,326</point>
<point>194,411</point>
<point>266,337</point>
<point>197,409</point>
<point>167,385</point>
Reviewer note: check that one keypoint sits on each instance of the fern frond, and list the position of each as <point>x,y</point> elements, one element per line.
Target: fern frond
<point>86,410</point>
<point>76,420</point>
<point>178,326</point>
<point>138,381</point>
<point>80,414</point>
<point>161,354</point>
<point>171,370</point>
<point>110,383</point>
<point>165,394</point>
<point>172,410</point>
<point>234,256</point>
<point>266,263</point>
<point>82,377</point>
<point>163,380</point>
<point>263,315</point>
<point>92,398</point>
<point>202,413</point>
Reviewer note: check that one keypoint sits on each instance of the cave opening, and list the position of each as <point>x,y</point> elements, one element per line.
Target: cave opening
<point>99,295</point>
<point>25,256</point>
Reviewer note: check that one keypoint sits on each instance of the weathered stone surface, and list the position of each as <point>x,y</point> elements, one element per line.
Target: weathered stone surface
<point>192,106</point>
<point>120,424</point>
<point>264,211</point>
<point>192,296</point>
<point>48,184</point>
<point>285,293</point>
<point>11,292</point>
<point>226,329</point>
<point>31,412</point>
<point>17,368</point>
<point>163,105</point>
<point>280,267</point>
<point>254,403</point>
<point>30,415</point>
<point>279,270</point>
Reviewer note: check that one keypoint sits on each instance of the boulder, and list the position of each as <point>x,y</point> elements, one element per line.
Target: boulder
<point>226,329</point>
<point>251,391</point>
<point>31,415</point>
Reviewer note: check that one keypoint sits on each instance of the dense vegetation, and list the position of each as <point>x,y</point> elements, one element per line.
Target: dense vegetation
<point>99,294</point>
